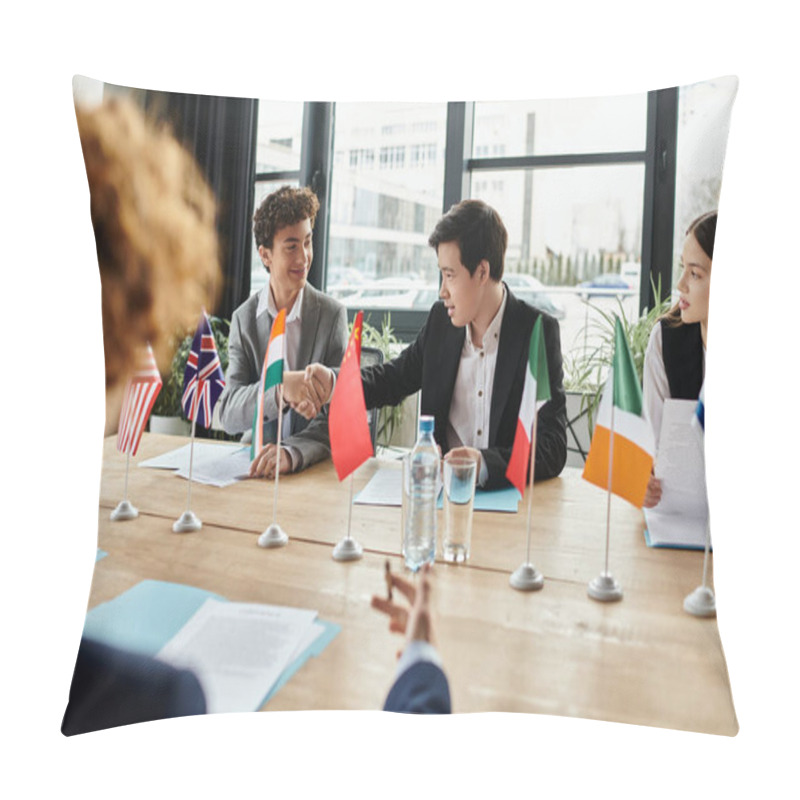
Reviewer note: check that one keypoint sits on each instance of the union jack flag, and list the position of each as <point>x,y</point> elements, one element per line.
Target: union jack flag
<point>203,380</point>
<point>140,395</point>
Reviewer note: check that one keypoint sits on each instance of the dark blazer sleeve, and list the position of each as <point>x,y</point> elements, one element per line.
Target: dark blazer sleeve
<point>551,434</point>
<point>421,689</point>
<point>112,687</point>
<point>390,383</point>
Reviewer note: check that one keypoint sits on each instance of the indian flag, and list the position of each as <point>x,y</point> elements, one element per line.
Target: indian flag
<point>535,394</point>
<point>623,440</point>
<point>271,375</point>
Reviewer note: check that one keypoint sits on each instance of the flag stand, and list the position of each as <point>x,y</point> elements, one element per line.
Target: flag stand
<point>348,548</point>
<point>701,601</point>
<point>274,535</point>
<point>526,578</point>
<point>188,521</point>
<point>124,509</point>
<point>604,588</point>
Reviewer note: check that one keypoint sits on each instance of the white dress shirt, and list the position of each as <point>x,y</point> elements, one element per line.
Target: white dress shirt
<point>655,383</point>
<point>471,406</point>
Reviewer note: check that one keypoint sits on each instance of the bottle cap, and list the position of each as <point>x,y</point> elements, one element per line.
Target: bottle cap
<point>426,424</point>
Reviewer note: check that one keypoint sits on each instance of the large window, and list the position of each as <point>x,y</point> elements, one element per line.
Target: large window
<point>567,177</point>
<point>703,117</point>
<point>386,196</point>
<point>278,158</point>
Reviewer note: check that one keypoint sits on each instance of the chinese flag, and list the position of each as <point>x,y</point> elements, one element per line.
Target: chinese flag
<point>351,443</point>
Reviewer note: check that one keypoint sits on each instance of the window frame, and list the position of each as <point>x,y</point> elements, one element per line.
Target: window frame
<point>658,215</point>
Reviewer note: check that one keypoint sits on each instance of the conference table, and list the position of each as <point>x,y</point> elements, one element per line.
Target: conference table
<point>641,660</point>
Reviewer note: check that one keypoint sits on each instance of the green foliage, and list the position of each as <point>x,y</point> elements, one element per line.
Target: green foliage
<point>168,402</point>
<point>585,371</point>
<point>389,417</point>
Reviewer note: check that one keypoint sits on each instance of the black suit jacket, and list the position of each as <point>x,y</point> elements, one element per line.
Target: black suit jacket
<point>112,687</point>
<point>431,363</point>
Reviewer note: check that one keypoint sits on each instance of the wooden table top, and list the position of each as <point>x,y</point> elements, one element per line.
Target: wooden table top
<point>642,660</point>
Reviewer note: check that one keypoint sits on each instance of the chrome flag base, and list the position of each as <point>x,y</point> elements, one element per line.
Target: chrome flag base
<point>124,511</point>
<point>527,578</point>
<point>605,589</point>
<point>701,602</point>
<point>187,523</point>
<point>347,550</point>
<point>273,536</point>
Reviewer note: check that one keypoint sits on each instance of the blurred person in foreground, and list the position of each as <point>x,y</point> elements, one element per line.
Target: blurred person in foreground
<point>153,220</point>
<point>675,359</point>
<point>420,685</point>
<point>316,331</point>
<point>471,356</point>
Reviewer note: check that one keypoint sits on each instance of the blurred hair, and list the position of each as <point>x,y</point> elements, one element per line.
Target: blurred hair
<point>284,207</point>
<point>153,219</point>
<point>479,232</point>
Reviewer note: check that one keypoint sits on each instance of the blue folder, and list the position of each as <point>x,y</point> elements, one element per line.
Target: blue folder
<point>148,615</point>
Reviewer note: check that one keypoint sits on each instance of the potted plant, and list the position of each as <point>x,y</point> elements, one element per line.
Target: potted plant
<point>396,425</point>
<point>167,415</point>
<point>585,371</point>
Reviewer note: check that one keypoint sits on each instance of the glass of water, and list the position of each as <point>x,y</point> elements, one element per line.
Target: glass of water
<point>459,494</point>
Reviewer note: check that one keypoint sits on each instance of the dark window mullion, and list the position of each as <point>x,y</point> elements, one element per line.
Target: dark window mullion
<point>554,161</point>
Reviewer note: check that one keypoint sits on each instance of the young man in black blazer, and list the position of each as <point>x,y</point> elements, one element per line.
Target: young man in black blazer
<point>471,355</point>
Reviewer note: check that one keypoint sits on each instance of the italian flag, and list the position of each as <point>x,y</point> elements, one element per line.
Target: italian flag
<point>535,394</point>
<point>623,440</point>
<point>271,375</point>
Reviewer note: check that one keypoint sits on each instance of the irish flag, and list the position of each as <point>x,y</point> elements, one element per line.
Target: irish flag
<point>535,394</point>
<point>271,375</point>
<point>623,440</point>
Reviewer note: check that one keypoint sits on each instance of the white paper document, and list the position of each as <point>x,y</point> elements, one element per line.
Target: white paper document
<point>217,464</point>
<point>681,516</point>
<point>239,650</point>
<point>383,488</point>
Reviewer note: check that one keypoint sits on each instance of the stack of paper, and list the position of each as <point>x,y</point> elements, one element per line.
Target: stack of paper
<point>239,650</point>
<point>242,653</point>
<point>681,517</point>
<point>216,464</point>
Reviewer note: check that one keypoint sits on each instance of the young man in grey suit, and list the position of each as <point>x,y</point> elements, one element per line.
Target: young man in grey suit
<point>471,355</point>
<point>316,331</point>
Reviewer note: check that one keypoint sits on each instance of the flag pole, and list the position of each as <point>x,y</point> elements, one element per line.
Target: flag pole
<point>701,602</point>
<point>348,549</point>
<point>188,521</point>
<point>604,587</point>
<point>124,509</point>
<point>526,577</point>
<point>274,535</point>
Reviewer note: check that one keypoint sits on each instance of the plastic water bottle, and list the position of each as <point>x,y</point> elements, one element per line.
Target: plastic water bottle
<point>420,532</point>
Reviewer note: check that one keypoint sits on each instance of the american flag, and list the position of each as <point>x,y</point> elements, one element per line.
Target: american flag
<point>140,395</point>
<point>203,380</point>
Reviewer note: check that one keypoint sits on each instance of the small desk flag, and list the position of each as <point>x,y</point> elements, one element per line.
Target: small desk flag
<point>633,443</point>
<point>699,418</point>
<point>535,394</point>
<point>140,396</point>
<point>203,380</point>
<point>351,443</point>
<point>271,375</point>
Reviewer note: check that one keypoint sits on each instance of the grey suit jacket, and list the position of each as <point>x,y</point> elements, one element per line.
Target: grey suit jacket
<point>323,339</point>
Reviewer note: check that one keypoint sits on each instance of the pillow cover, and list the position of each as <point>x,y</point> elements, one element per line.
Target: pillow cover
<point>596,195</point>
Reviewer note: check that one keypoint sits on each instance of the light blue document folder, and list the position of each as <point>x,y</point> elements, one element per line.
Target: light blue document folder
<point>148,615</point>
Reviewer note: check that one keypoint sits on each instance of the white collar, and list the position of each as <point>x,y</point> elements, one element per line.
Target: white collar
<point>492,335</point>
<point>266,302</point>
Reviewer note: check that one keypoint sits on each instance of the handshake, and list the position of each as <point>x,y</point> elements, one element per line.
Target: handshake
<point>306,392</point>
